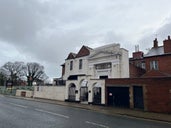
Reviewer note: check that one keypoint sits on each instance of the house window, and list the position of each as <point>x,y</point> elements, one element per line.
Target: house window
<point>71,65</point>
<point>143,65</point>
<point>154,65</point>
<point>80,64</point>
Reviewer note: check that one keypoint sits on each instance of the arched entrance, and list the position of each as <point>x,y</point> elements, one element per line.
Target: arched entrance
<point>84,91</point>
<point>71,94</point>
<point>97,93</point>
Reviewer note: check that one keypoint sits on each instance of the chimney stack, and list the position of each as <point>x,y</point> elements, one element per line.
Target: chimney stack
<point>155,43</point>
<point>137,54</point>
<point>167,45</point>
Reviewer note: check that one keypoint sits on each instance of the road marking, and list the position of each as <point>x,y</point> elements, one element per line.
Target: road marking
<point>96,124</point>
<point>18,105</point>
<point>56,114</point>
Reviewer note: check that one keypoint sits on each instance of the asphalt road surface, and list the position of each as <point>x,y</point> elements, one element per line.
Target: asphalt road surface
<point>19,113</point>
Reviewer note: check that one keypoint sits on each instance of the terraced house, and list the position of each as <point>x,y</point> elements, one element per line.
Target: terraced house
<point>85,72</point>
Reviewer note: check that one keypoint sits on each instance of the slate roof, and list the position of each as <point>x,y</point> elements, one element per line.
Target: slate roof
<point>155,51</point>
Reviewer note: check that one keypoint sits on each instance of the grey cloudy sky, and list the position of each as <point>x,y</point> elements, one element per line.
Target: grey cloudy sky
<point>45,31</point>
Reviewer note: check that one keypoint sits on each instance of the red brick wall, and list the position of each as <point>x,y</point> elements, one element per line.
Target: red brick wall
<point>157,93</point>
<point>137,55</point>
<point>167,45</point>
<point>164,63</point>
<point>159,98</point>
<point>135,71</point>
<point>83,52</point>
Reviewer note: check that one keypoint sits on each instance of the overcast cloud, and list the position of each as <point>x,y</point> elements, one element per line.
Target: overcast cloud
<point>46,31</point>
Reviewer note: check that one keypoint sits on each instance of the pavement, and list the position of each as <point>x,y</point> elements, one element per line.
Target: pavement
<point>131,113</point>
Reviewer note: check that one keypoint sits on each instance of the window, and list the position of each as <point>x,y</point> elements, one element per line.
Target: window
<point>80,64</point>
<point>103,77</point>
<point>154,65</point>
<point>71,65</point>
<point>103,66</point>
<point>143,65</point>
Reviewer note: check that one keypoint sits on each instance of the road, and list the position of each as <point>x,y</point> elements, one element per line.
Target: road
<point>20,113</point>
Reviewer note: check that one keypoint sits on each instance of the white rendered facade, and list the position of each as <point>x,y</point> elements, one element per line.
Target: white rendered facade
<point>85,75</point>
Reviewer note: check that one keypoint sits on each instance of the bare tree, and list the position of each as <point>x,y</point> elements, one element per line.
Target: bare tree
<point>35,72</point>
<point>13,70</point>
<point>18,70</point>
<point>2,79</point>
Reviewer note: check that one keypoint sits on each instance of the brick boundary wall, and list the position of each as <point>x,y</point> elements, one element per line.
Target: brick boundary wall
<point>157,92</point>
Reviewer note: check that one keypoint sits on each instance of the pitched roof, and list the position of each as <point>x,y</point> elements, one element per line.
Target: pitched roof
<point>156,73</point>
<point>84,51</point>
<point>71,56</point>
<point>155,51</point>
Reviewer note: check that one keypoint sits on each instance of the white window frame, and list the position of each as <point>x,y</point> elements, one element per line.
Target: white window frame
<point>154,65</point>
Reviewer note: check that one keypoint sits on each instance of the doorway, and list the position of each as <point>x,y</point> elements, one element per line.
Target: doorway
<point>71,95</point>
<point>118,96</point>
<point>97,95</point>
<point>138,97</point>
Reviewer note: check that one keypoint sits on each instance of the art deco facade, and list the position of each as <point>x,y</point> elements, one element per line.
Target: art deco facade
<point>86,71</point>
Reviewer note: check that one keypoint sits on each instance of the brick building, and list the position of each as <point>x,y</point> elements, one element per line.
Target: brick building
<point>149,85</point>
<point>105,76</point>
<point>157,62</point>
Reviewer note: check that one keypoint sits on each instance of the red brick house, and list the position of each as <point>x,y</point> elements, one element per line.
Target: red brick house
<point>157,62</point>
<point>149,85</point>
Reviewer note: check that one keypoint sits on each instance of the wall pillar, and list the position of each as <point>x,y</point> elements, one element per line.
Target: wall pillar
<point>131,97</point>
<point>103,94</point>
<point>77,94</point>
<point>66,92</point>
<point>90,94</point>
<point>145,98</point>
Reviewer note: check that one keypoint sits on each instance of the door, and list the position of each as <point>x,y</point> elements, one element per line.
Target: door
<point>118,96</point>
<point>138,97</point>
<point>84,94</point>
<point>72,96</point>
<point>97,95</point>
